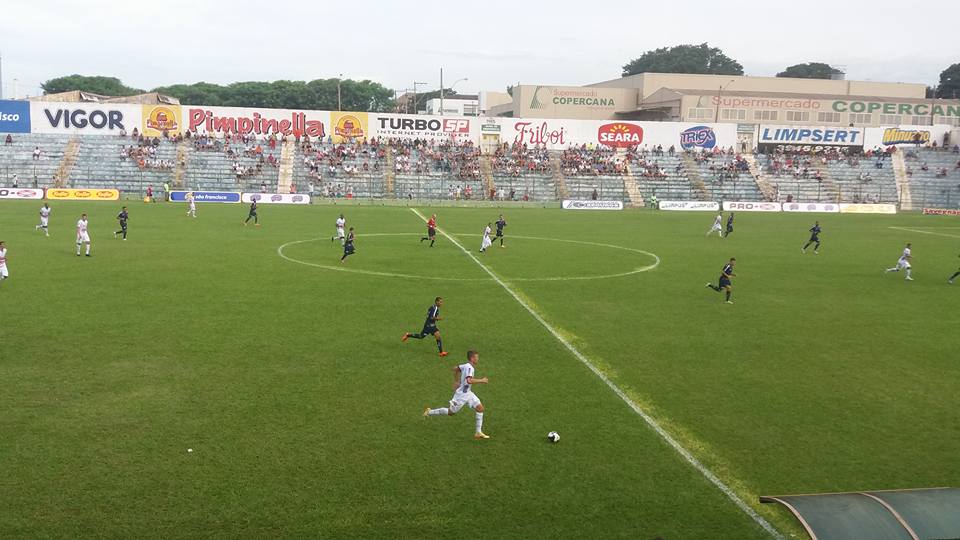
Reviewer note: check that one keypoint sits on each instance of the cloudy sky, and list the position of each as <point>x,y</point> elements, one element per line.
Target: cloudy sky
<point>493,43</point>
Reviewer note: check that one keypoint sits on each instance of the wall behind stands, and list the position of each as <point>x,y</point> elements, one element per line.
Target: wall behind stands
<point>152,120</point>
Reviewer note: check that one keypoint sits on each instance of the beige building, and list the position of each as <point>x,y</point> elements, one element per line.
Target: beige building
<point>736,99</point>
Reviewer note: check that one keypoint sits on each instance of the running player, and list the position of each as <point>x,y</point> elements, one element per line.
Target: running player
<point>500,223</point>
<point>953,277</point>
<point>341,223</point>
<point>430,326</point>
<point>486,242</point>
<point>253,214</point>
<point>44,219</point>
<point>717,226</point>
<point>431,230</point>
<point>83,237</point>
<point>122,217</point>
<point>348,248</point>
<point>729,225</point>
<point>814,239</point>
<point>725,283</point>
<point>903,262</point>
<point>463,381</point>
<point>4,273</point>
<point>192,209</point>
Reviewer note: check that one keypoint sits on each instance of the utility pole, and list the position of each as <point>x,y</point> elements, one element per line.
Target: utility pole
<point>339,105</point>
<point>415,83</point>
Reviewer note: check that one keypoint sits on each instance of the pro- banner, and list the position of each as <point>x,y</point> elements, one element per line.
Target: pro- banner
<point>93,194</point>
<point>276,198</point>
<point>751,206</point>
<point>206,196</point>
<point>20,193</point>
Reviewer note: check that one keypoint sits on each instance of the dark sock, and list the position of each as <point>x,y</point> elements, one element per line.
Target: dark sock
<point>807,245</point>
<point>501,241</point>
<point>954,276</point>
<point>431,243</point>
<point>440,344</point>
<point>817,247</point>
<point>728,296</point>
<point>422,238</point>
<point>714,287</point>
<point>416,335</point>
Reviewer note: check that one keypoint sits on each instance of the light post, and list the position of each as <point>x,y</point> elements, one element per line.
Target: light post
<point>719,96</point>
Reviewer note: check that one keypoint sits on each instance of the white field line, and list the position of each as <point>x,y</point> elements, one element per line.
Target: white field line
<point>925,232</point>
<point>693,461</point>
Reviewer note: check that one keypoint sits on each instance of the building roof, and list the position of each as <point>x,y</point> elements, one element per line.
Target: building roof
<point>79,96</point>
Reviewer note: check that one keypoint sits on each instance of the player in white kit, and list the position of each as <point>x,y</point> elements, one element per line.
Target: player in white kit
<point>44,218</point>
<point>4,273</point>
<point>903,263</point>
<point>192,209</point>
<point>717,226</point>
<point>463,381</point>
<point>486,242</point>
<point>83,237</point>
<point>341,223</point>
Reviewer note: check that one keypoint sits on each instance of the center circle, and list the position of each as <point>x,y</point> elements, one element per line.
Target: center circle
<point>655,261</point>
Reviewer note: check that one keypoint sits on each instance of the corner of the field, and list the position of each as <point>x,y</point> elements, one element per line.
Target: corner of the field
<point>706,454</point>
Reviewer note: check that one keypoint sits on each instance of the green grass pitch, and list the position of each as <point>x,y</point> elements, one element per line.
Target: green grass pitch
<point>303,408</point>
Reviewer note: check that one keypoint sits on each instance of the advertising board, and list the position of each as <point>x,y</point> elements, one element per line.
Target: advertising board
<point>206,196</point>
<point>275,198</point>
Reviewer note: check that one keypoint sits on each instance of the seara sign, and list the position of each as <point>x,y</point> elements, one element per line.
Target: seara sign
<point>620,135</point>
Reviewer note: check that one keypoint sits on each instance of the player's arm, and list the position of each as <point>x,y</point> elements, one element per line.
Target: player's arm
<point>471,380</point>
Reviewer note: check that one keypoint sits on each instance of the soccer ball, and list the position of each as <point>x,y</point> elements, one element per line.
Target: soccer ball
<point>553,437</point>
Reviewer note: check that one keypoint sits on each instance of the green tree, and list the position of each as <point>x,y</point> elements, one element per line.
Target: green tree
<point>950,83</point>
<point>108,86</point>
<point>810,70</point>
<point>684,59</point>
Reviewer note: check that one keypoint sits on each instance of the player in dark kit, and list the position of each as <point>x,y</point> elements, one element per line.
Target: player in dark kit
<point>954,276</point>
<point>725,283</point>
<point>729,225</point>
<point>122,217</point>
<point>348,248</point>
<point>253,214</point>
<point>431,230</point>
<point>814,239</point>
<point>500,223</point>
<point>430,326</point>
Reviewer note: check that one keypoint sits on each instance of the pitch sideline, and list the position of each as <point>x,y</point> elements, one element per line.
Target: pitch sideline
<point>693,461</point>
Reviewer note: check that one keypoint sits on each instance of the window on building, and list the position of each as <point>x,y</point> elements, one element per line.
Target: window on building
<point>921,121</point>
<point>861,118</point>
<point>828,117</point>
<point>700,114</point>
<point>798,116</point>
<point>765,116</point>
<point>890,119</point>
<point>948,121</point>
<point>733,114</point>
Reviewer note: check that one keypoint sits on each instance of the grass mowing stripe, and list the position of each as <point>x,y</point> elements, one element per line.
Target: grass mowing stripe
<point>707,473</point>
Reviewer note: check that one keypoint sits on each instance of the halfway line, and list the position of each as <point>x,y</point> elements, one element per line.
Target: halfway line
<point>707,473</point>
<point>925,232</point>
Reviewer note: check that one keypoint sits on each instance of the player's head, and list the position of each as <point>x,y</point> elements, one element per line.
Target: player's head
<point>733,260</point>
<point>473,357</point>
<point>124,208</point>
<point>83,216</point>
<point>438,300</point>
<point>341,216</point>
<point>351,229</point>
<point>2,244</point>
<point>47,205</point>
<point>817,223</point>
<point>434,216</point>
<point>501,216</point>
<point>908,245</point>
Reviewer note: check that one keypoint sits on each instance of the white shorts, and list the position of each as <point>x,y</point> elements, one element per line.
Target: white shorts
<point>460,399</point>
<point>340,233</point>
<point>43,221</point>
<point>486,242</point>
<point>716,228</point>
<point>5,274</point>
<point>83,238</point>
<point>903,264</point>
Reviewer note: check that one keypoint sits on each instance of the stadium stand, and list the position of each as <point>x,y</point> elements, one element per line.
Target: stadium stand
<point>934,177</point>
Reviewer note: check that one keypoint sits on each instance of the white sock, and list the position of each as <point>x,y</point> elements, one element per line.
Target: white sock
<point>439,412</point>
<point>78,249</point>
<point>88,249</point>
<point>479,422</point>
<point>893,269</point>
<point>908,272</point>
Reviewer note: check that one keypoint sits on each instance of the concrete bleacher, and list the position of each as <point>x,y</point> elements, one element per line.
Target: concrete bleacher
<point>927,189</point>
<point>17,159</point>
<point>880,185</point>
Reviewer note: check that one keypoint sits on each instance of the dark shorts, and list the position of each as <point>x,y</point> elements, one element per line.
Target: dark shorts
<point>429,330</point>
<point>431,232</point>
<point>499,234</point>
<point>729,228</point>
<point>253,214</point>
<point>348,249</point>
<point>724,282</point>
<point>815,239</point>
<point>123,225</point>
